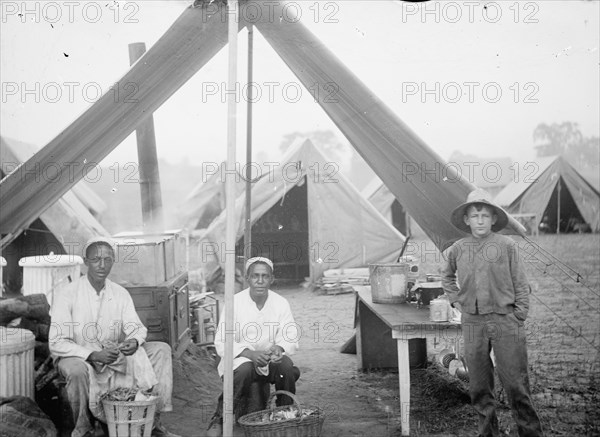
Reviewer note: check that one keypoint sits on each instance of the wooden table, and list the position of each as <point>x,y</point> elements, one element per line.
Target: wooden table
<point>404,322</point>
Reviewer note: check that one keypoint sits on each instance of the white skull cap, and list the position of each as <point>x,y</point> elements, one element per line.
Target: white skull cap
<point>100,239</point>
<point>258,259</point>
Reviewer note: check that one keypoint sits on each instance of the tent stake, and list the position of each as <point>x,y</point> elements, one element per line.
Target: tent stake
<point>558,208</point>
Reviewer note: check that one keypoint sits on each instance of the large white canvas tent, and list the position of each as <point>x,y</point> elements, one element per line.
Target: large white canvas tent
<point>308,217</point>
<point>398,156</point>
<point>554,187</point>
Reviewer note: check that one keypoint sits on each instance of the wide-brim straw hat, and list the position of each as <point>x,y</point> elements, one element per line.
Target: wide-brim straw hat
<point>482,197</point>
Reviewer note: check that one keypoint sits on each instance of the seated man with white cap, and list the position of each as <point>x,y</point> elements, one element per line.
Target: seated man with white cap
<point>98,342</point>
<point>265,335</point>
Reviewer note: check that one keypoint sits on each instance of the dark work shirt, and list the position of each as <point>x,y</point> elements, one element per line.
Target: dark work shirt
<point>485,275</point>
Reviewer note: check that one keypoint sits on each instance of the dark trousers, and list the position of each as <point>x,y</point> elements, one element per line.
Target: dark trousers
<point>283,374</point>
<point>505,334</point>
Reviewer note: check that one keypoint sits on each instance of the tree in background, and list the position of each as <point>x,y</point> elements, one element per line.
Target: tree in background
<point>556,139</point>
<point>350,162</point>
<point>566,139</point>
<point>588,152</point>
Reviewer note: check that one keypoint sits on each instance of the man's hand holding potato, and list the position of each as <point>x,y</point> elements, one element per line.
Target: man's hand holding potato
<point>128,347</point>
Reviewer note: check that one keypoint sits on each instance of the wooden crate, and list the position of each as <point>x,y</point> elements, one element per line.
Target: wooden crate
<point>148,259</point>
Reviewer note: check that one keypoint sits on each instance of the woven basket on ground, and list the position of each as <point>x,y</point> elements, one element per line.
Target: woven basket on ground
<point>130,418</point>
<point>305,425</point>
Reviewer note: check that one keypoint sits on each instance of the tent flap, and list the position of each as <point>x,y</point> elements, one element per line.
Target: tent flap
<point>188,44</point>
<point>414,173</point>
<point>69,219</point>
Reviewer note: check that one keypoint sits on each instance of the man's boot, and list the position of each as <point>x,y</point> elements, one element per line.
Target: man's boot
<point>215,427</point>
<point>159,430</point>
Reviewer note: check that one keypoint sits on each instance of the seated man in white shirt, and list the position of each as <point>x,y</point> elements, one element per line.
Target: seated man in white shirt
<point>265,336</point>
<point>98,342</point>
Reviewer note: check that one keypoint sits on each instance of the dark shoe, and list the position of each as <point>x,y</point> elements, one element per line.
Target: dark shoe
<point>215,430</point>
<point>215,427</point>
<point>104,427</point>
<point>161,431</point>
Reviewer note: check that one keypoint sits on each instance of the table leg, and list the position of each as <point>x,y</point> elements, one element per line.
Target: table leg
<point>358,334</point>
<point>404,383</point>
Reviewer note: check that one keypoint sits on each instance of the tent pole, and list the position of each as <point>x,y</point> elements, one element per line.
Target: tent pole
<point>248,230</point>
<point>233,18</point>
<point>558,208</point>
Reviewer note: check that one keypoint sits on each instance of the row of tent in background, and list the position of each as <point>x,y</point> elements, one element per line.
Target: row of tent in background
<point>537,193</point>
<point>313,218</point>
<point>306,221</point>
<point>307,224</point>
<point>537,196</point>
<point>551,188</point>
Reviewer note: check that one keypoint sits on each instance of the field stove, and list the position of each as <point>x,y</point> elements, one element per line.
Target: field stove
<point>151,268</point>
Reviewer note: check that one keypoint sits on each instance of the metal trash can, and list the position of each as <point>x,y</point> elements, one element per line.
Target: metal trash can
<point>16,362</point>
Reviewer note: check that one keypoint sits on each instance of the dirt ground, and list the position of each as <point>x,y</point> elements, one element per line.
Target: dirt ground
<point>330,379</point>
<point>563,358</point>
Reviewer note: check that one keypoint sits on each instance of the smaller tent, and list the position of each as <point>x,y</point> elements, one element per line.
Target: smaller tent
<point>386,203</point>
<point>550,188</point>
<point>14,153</point>
<point>207,199</point>
<point>307,218</point>
<point>63,228</point>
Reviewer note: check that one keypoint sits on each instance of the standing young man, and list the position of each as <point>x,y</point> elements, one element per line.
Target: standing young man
<point>485,279</point>
<point>265,336</point>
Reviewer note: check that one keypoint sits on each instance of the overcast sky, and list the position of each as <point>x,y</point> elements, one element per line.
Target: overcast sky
<point>470,76</point>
